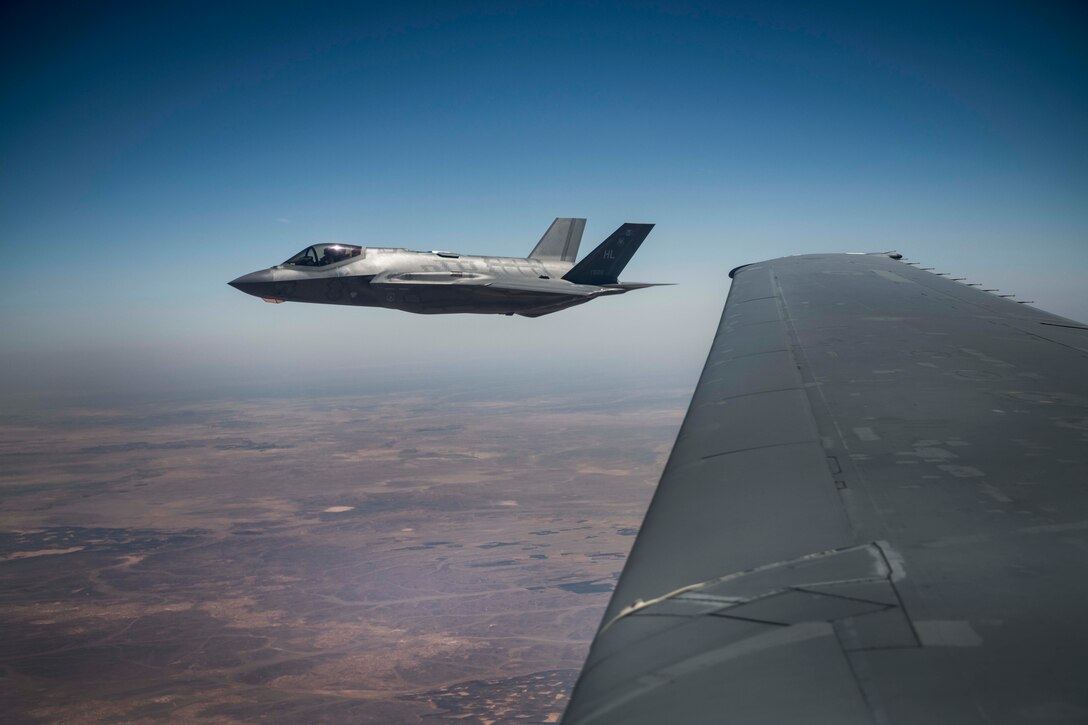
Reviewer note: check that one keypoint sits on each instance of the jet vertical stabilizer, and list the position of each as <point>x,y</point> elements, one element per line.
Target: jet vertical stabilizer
<point>603,265</point>
<point>560,242</point>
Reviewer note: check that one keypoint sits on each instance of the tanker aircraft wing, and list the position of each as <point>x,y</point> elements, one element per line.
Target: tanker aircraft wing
<point>875,511</point>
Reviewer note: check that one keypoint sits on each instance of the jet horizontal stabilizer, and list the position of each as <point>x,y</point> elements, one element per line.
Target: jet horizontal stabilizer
<point>628,286</point>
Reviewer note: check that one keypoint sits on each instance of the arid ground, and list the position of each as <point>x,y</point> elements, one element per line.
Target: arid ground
<point>408,557</point>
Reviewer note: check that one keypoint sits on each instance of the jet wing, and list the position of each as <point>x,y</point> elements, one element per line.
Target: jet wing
<point>538,286</point>
<point>875,511</point>
<point>499,284</point>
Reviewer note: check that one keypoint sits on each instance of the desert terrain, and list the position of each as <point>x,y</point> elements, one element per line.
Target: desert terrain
<point>365,557</point>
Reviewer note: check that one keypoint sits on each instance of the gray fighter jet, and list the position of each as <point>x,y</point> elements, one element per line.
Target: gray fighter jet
<point>546,281</point>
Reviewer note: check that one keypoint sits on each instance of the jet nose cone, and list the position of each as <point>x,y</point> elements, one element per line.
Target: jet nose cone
<point>254,283</point>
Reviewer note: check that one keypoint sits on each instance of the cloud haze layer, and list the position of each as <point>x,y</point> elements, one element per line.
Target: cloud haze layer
<point>149,155</point>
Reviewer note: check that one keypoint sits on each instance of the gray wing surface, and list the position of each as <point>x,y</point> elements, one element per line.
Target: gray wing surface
<point>876,511</point>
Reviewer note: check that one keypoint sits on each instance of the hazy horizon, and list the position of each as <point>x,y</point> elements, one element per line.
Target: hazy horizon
<point>152,154</point>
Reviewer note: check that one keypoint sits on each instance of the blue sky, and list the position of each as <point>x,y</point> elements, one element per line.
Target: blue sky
<point>150,154</point>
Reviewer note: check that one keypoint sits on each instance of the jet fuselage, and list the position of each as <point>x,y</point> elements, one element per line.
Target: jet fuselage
<point>424,282</point>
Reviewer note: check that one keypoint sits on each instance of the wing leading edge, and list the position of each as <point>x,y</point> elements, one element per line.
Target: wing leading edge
<point>874,512</point>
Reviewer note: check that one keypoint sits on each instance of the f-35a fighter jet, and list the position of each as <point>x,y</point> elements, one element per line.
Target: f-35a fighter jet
<point>546,281</point>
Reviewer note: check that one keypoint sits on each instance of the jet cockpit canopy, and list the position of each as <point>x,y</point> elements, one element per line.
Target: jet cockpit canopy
<point>319,255</point>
